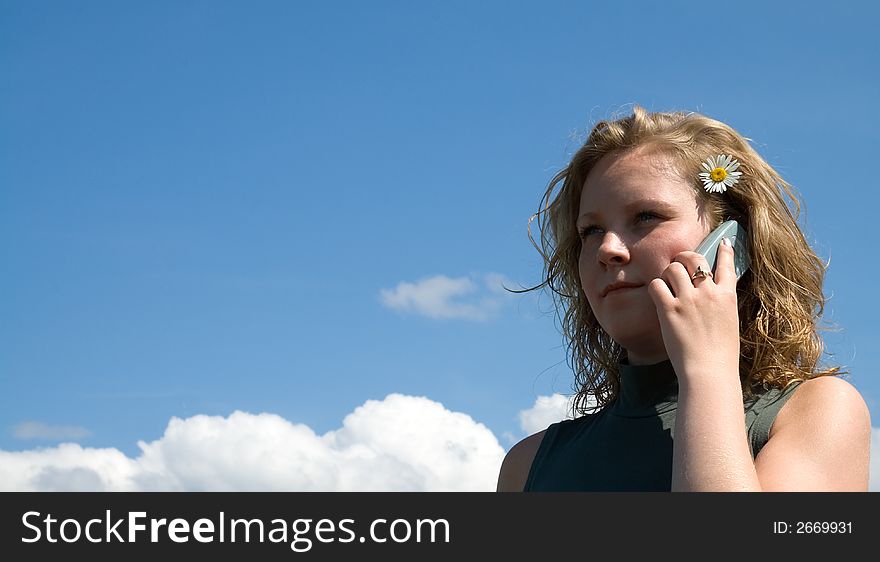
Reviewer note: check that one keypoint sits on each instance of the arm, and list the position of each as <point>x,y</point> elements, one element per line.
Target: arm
<point>711,450</point>
<point>819,441</point>
<point>517,464</point>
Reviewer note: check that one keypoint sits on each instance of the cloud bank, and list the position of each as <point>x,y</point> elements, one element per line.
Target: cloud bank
<point>401,443</point>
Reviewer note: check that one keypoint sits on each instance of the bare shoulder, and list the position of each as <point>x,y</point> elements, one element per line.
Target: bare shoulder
<point>518,462</point>
<point>820,440</point>
<point>823,400</point>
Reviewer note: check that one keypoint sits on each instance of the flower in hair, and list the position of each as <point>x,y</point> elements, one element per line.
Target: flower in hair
<point>720,173</point>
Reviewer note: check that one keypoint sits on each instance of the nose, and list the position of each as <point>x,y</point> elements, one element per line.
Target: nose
<point>612,250</point>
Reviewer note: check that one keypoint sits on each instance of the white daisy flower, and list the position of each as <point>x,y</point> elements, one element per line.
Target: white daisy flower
<point>720,173</point>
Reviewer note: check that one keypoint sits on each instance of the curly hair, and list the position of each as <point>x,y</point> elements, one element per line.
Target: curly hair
<point>780,297</point>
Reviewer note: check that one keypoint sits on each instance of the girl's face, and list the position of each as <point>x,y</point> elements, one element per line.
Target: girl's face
<point>636,214</point>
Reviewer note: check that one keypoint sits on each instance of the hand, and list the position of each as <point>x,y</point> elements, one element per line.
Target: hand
<point>698,316</point>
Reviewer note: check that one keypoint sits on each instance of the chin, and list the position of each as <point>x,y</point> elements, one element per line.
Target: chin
<point>634,331</point>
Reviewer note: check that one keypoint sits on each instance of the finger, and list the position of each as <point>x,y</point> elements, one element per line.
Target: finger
<point>693,262</point>
<point>660,293</point>
<point>677,278</point>
<point>725,273</point>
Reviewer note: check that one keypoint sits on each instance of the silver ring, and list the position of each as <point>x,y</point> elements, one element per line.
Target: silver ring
<point>701,273</point>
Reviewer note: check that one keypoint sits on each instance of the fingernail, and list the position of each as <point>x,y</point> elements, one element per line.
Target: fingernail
<point>726,241</point>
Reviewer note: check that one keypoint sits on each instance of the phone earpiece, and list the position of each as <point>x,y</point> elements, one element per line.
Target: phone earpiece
<point>738,239</point>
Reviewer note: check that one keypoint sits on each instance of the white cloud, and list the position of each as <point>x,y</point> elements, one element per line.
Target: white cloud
<point>547,410</point>
<point>40,430</point>
<point>444,297</point>
<point>401,443</point>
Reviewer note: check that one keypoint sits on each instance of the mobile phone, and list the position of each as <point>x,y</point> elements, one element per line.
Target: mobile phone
<point>738,238</point>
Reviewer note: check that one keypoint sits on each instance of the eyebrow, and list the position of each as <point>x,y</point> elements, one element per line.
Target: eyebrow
<point>640,205</point>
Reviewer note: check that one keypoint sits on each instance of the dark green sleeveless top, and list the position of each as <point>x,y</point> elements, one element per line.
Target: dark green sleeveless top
<point>627,446</point>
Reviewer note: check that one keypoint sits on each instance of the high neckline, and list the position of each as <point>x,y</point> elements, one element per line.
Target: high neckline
<point>646,390</point>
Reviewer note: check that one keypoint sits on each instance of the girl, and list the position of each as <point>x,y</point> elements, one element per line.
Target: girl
<point>701,381</point>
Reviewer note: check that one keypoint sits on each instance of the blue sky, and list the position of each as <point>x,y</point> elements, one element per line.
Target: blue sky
<point>202,204</point>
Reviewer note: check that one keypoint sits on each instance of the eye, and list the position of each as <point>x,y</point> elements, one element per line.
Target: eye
<point>585,231</point>
<point>642,216</point>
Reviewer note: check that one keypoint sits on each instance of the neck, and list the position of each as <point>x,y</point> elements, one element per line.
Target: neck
<point>647,359</point>
<point>645,346</point>
<point>646,356</point>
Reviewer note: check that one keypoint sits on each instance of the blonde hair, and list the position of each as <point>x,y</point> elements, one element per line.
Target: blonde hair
<point>780,297</point>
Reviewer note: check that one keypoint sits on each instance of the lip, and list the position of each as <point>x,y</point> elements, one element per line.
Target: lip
<point>617,286</point>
